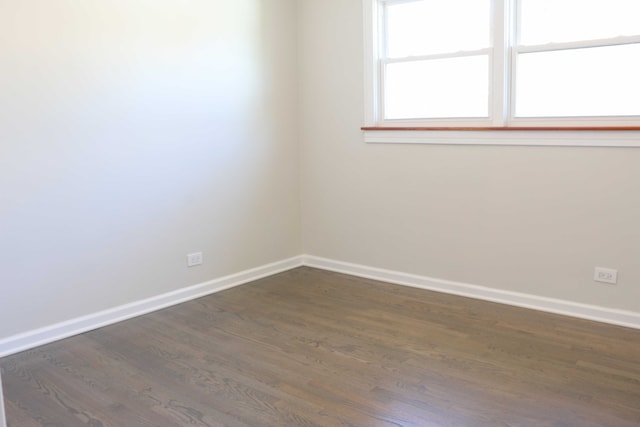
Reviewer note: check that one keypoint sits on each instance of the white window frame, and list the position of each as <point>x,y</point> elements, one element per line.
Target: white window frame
<point>503,59</point>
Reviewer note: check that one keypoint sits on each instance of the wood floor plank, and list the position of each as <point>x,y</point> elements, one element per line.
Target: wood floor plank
<point>314,348</point>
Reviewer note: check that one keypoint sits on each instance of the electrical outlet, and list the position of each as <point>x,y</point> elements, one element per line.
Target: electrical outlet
<point>194,259</point>
<point>605,275</point>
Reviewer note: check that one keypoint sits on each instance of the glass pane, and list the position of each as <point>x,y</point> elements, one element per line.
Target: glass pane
<point>580,82</point>
<point>437,26</point>
<point>546,21</point>
<point>440,88</point>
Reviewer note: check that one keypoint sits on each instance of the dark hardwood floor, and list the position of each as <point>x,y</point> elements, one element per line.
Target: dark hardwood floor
<point>313,348</point>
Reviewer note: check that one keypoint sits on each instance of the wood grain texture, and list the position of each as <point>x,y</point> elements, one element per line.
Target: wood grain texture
<point>314,348</point>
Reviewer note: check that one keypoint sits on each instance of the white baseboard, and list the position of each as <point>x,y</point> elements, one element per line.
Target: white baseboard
<point>583,311</point>
<point>35,338</point>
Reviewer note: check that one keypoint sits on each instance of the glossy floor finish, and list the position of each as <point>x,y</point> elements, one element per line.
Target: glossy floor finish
<point>313,348</point>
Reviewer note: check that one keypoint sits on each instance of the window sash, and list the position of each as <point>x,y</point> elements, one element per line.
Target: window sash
<point>446,96</point>
<point>566,75</point>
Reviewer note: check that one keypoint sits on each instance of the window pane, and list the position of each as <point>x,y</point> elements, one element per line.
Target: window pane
<point>441,88</point>
<point>437,26</point>
<point>546,21</point>
<point>581,82</point>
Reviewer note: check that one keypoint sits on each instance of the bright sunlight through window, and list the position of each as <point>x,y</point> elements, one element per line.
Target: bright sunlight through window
<point>496,63</point>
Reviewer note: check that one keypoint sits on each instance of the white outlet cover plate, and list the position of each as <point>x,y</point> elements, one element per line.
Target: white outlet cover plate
<point>194,259</point>
<point>605,275</point>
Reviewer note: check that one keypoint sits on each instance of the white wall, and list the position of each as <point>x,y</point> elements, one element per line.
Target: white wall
<point>528,219</point>
<point>133,132</point>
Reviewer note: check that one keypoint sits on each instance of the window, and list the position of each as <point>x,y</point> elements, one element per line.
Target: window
<point>503,63</point>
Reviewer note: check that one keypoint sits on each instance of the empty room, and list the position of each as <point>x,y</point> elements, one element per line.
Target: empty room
<point>319,213</point>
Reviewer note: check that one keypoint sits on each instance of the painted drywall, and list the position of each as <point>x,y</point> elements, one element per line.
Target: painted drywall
<point>535,220</point>
<point>132,133</point>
